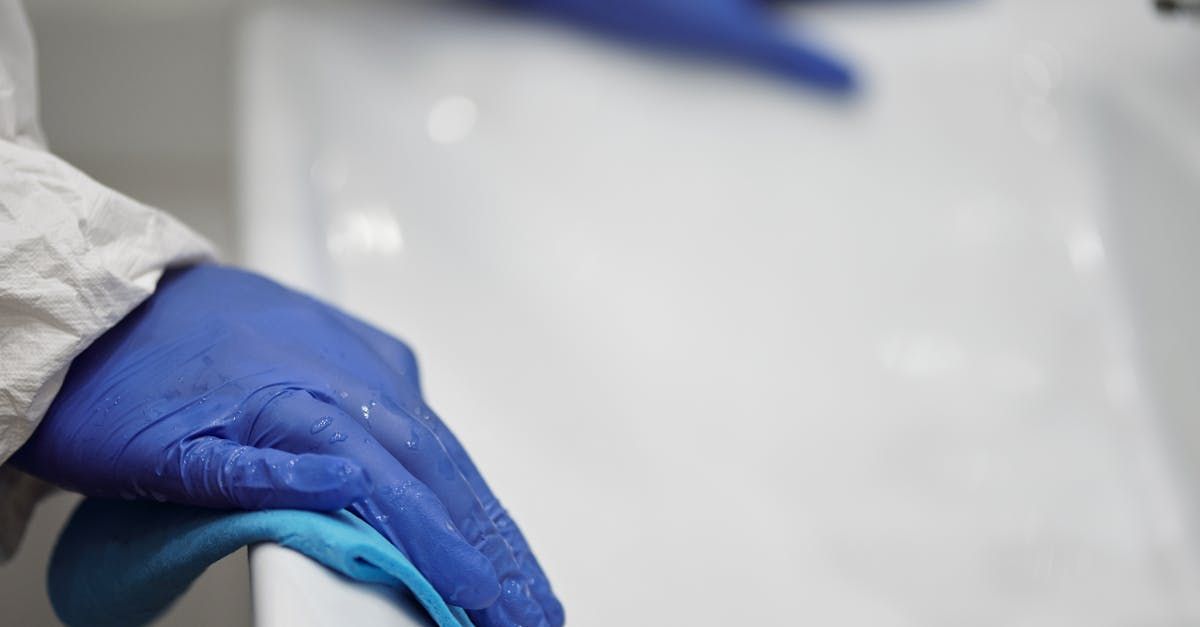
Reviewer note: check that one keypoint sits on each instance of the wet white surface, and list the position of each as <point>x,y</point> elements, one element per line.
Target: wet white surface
<point>732,352</point>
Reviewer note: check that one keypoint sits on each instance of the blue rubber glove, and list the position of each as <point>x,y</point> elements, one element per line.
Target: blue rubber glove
<point>740,30</point>
<point>226,390</point>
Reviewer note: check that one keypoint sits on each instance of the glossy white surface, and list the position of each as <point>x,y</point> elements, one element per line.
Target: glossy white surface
<point>735,353</point>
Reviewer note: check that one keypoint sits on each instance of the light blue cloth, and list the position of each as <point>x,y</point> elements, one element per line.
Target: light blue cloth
<point>124,562</point>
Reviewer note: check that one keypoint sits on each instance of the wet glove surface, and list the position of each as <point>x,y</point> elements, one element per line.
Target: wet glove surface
<point>739,30</point>
<point>122,563</point>
<point>225,390</point>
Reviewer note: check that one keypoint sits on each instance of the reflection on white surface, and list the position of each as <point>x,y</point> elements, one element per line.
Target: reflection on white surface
<point>733,355</point>
<point>1085,248</point>
<point>452,119</point>
<point>1038,69</point>
<point>365,231</point>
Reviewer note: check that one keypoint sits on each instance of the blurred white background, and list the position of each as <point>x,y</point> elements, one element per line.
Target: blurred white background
<point>730,352</point>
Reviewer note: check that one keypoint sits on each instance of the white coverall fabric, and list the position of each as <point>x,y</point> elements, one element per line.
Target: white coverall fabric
<point>75,258</point>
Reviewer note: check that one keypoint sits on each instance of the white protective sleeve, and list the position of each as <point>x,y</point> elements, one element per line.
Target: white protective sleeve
<point>75,258</point>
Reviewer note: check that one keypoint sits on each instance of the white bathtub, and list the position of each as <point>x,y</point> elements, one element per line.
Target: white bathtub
<point>737,354</point>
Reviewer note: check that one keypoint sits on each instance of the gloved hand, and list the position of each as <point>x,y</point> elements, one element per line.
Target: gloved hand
<point>226,390</point>
<point>741,30</point>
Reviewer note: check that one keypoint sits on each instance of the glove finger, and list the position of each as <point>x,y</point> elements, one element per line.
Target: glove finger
<point>400,507</point>
<point>399,358</point>
<point>767,47</point>
<point>209,471</point>
<point>421,452</point>
<point>738,30</point>
<point>539,583</point>
<point>429,460</point>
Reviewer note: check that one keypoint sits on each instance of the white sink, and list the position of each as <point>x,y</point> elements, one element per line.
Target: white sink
<point>736,353</point>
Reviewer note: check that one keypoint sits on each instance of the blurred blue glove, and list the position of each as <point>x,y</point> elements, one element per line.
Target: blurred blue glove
<point>741,30</point>
<point>226,390</point>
